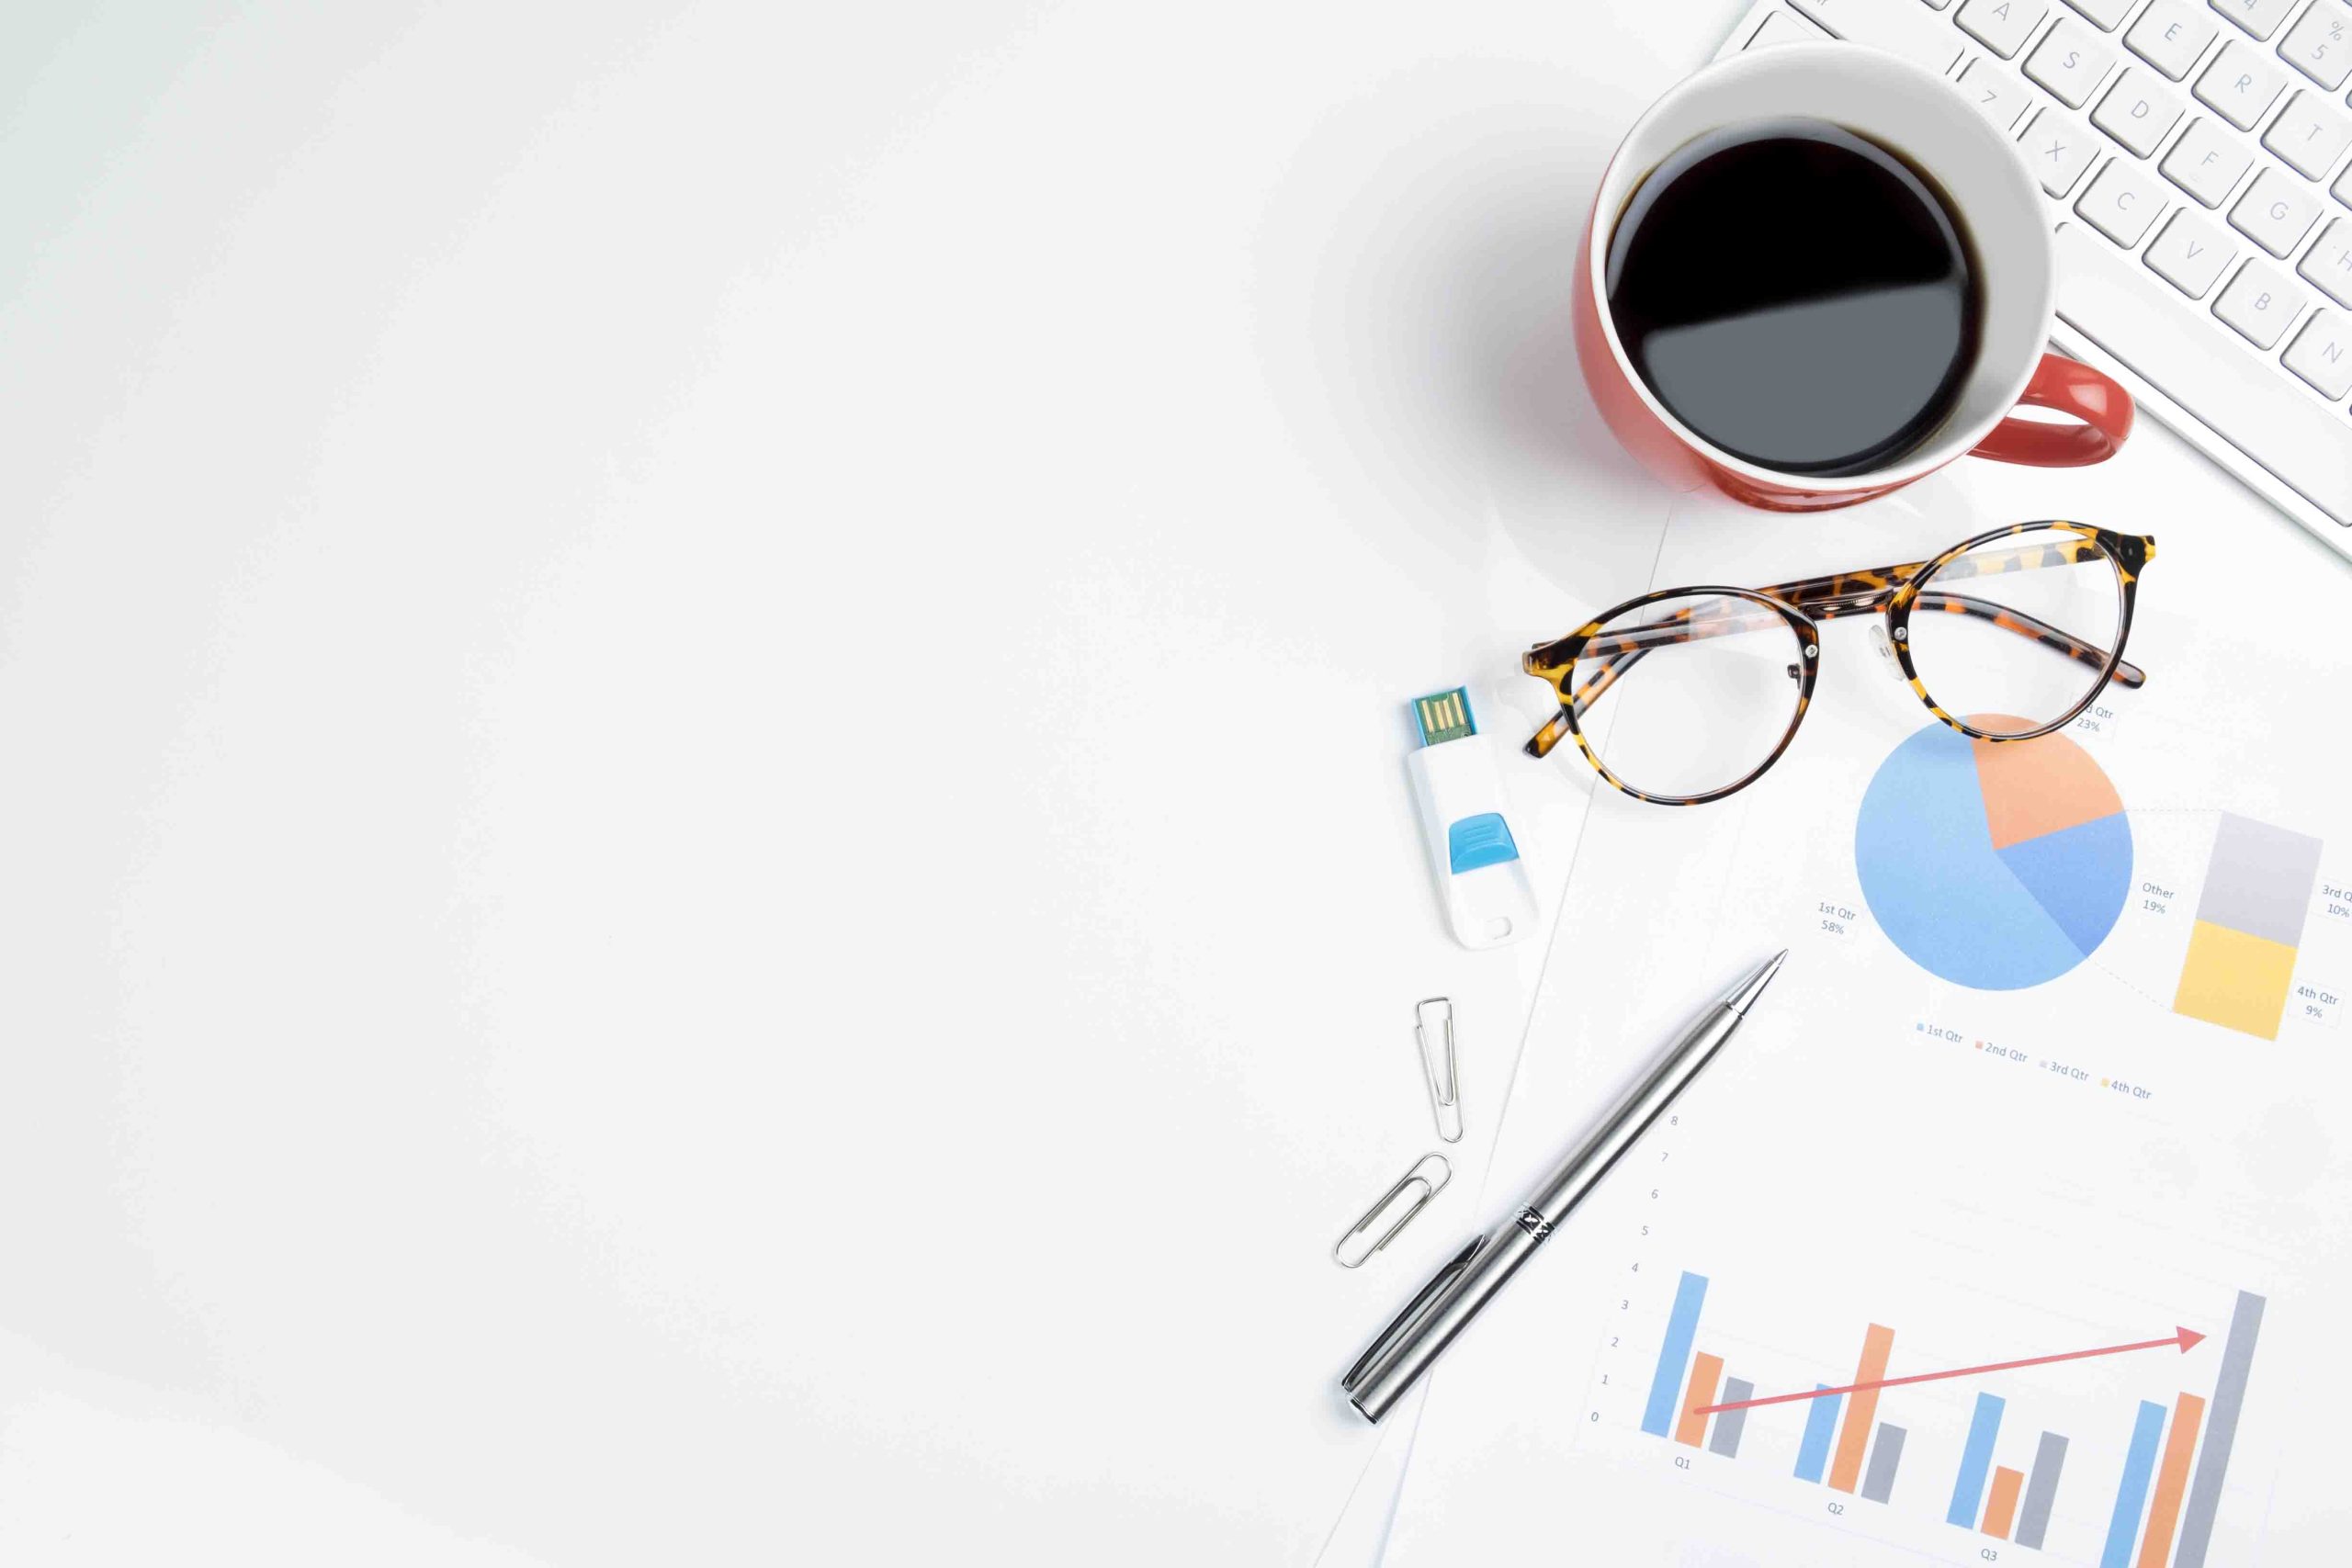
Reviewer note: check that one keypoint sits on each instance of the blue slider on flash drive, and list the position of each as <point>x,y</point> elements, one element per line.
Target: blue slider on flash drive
<point>1490,900</point>
<point>1483,839</point>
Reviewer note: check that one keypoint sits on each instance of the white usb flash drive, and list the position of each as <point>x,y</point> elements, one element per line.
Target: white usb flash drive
<point>1489,898</point>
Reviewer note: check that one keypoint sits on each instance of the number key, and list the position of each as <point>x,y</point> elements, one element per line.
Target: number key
<point>2260,17</point>
<point>2316,45</point>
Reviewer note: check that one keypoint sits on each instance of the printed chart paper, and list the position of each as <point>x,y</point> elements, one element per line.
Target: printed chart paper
<point>2054,1076</point>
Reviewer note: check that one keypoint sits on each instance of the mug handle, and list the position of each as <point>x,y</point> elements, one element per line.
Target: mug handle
<point>2070,386</point>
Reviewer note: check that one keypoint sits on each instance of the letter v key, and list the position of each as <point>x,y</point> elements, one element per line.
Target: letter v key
<point>2189,254</point>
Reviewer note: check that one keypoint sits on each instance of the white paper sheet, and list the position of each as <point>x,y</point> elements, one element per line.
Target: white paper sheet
<point>1989,1174</point>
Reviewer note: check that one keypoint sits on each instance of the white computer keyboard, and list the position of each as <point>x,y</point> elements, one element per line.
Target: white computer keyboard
<point>2195,156</point>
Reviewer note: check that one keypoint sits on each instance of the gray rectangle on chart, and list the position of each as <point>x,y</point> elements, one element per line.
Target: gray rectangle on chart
<point>2220,1431</point>
<point>2040,1490</point>
<point>1729,1424</point>
<point>1885,1454</point>
<point>2259,880</point>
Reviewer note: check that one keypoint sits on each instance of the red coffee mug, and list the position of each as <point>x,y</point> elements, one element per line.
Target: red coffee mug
<point>1984,178</point>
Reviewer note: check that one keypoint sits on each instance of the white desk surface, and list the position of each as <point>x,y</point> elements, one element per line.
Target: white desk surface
<point>706,857</point>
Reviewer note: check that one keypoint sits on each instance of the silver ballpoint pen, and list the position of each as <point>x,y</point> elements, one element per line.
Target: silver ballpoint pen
<point>1455,1294</point>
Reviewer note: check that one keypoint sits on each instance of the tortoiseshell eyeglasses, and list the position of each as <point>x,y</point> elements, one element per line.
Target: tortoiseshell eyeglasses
<point>1685,695</point>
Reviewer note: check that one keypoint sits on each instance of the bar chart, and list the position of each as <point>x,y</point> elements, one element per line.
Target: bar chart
<point>1996,1500</point>
<point>2159,1498</point>
<point>2242,949</point>
<point>2167,1481</point>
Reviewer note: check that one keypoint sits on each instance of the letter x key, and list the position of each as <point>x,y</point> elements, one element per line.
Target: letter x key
<point>2059,148</point>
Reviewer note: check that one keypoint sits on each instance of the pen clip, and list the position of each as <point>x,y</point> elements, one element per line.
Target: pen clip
<point>1403,1322</point>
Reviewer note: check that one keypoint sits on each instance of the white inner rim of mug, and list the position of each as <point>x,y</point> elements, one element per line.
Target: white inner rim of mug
<point>1924,118</point>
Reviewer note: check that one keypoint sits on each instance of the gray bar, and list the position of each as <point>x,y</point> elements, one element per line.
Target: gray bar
<point>2220,1431</point>
<point>1729,1424</point>
<point>2259,880</point>
<point>2040,1490</point>
<point>1885,1454</point>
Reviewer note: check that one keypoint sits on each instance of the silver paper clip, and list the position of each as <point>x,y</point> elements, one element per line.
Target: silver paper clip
<point>1445,1091</point>
<point>1430,1181</point>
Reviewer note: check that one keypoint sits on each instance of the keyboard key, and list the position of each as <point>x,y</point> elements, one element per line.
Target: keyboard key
<point>2107,14</point>
<point>2122,202</point>
<point>2260,17</point>
<point>2310,134</point>
<point>1941,4</point>
<point>2329,264</point>
<point>2207,162</point>
<point>1783,26</point>
<point>2137,112</point>
<point>2190,254</point>
<point>2259,303</point>
<point>2002,26</point>
<point>2317,47</point>
<point>2276,212</point>
<point>2319,354</point>
<point>1895,26</point>
<point>2241,84</point>
<point>2119,307</point>
<point>2071,61</point>
<point>2170,35</point>
<point>1998,95</point>
<point>2059,148</point>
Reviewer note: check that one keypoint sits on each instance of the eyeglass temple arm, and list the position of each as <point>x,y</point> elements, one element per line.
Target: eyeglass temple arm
<point>1623,652</point>
<point>1540,744</point>
<point>1826,598</point>
<point>2127,673</point>
<point>1874,585</point>
<point>1863,592</point>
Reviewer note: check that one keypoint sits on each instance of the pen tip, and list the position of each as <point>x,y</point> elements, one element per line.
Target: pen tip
<point>1744,995</point>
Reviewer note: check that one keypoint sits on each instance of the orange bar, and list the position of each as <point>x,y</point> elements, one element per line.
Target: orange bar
<point>2001,1507</point>
<point>2172,1480</point>
<point>1862,1410</point>
<point>1704,1372</point>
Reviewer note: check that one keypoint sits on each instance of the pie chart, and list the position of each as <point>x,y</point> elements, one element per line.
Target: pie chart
<point>1996,866</point>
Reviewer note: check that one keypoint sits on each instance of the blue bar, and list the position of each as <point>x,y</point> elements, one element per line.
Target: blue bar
<point>1968,1491</point>
<point>1674,1356</point>
<point>1820,1426</point>
<point>2132,1496</point>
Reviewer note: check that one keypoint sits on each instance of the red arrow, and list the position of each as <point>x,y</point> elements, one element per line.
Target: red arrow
<point>2184,1337</point>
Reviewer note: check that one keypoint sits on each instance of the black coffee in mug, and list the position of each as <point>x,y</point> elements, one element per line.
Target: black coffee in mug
<point>1797,295</point>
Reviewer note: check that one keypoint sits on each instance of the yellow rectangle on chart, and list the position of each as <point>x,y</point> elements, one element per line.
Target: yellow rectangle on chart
<point>2236,980</point>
